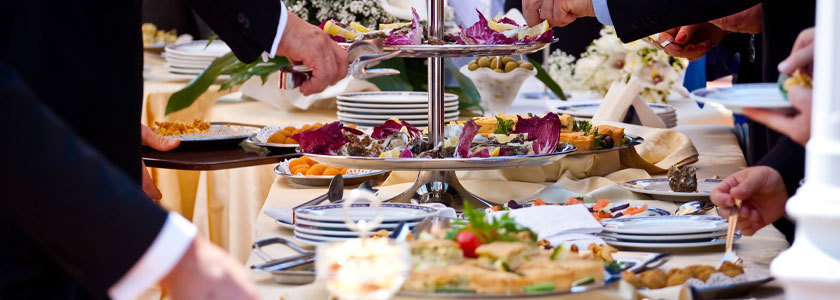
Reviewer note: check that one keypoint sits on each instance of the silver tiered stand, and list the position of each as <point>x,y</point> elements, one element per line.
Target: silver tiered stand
<point>436,181</point>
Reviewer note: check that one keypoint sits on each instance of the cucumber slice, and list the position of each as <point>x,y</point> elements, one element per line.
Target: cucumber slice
<point>543,287</point>
<point>584,281</point>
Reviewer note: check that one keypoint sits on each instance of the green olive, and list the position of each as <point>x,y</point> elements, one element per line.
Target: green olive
<point>473,66</point>
<point>526,65</point>
<point>494,63</point>
<point>507,59</point>
<point>484,62</point>
<point>510,66</point>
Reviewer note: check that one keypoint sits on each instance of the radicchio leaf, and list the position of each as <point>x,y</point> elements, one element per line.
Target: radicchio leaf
<point>545,37</point>
<point>547,133</point>
<point>480,33</point>
<point>481,153</point>
<point>406,153</point>
<point>390,127</point>
<point>526,125</point>
<point>325,140</point>
<point>414,37</point>
<point>507,20</point>
<point>465,140</point>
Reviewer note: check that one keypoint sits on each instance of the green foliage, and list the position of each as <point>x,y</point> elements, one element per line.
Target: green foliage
<point>503,126</point>
<point>503,228</point>
<point>582,125</point>
<point>543,76</point>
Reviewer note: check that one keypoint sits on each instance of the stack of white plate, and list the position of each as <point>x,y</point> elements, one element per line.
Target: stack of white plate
<point>325,223</point>
<point>586,109</point>
<point>665,232</point>
<point>192,57</point>
<point>374,108</point>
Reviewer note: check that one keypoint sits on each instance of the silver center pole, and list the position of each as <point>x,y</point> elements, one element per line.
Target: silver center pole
<point>436,83</point>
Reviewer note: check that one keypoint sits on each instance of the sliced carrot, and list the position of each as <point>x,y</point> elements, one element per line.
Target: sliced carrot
<point>539,202</point>
<point>635,210</point>
<point>573,201</point>
<point>600,205</point>
<point>495,208</point>
<point>602,215</point>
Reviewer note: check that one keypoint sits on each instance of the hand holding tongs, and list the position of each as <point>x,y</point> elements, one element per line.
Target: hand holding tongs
<point>362,55</point>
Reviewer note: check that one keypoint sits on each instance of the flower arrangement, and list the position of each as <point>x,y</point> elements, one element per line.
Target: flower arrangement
<point>365,12</point>
<point>607,59</point>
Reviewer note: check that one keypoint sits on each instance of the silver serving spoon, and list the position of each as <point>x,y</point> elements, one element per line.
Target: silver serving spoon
<point>333,194</point>
<point>693,208</point>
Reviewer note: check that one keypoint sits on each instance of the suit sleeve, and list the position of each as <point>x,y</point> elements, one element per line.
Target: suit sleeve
<point>788,158</point>
<point>249,27</point>
<point>88,217</point>
<point>634,19</point>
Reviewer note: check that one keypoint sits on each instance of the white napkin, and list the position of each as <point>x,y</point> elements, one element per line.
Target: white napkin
<point>550,220</point>
<point>287,99</point>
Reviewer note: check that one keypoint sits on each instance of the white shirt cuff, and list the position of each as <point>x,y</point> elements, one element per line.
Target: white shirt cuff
<point>281,26</point>
<point>169,246</point>
<point>602,12</point>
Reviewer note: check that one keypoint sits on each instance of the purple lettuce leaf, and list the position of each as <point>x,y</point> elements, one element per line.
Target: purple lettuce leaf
<point>325,140</point>
<point>547,133</point>
<point>481,153</point>
<point>353,130</point>
<point>390,127</point>
<point>465,140</point>
<point>507,20</point>
<point>414,37</point>
<point>406,153</point>
<point>545,37</point>
<point>526,125</point>
<point>505,151</point>
<point>480,33</point>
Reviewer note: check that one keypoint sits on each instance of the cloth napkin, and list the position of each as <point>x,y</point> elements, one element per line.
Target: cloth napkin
<point>559,224</point>
<point>288,99</point>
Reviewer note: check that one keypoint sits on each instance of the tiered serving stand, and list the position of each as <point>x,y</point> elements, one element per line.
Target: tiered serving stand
<point>436,180</point>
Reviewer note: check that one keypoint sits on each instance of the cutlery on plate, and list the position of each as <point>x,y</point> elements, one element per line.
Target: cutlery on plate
<point>730,255</point>
<point>334,193</point>
<point>654,262</point>
<point>693,208</point>
<point>367,185</point>
<point>361,54</point>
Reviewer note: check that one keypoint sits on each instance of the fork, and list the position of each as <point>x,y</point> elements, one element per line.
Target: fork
<point>730,255</point>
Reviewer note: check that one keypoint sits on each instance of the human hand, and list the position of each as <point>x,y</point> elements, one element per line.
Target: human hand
<point>159,143</point>
<point>801,56</point>
<point>692,41</point>
<point>796,126</point>
<point>307,44</point>
<point>763,193</point>
<point>747,21</point>
<point>557,12</point>
<point>207,272</point>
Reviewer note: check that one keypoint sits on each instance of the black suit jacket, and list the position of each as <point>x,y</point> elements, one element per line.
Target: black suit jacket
<point>72,218</point>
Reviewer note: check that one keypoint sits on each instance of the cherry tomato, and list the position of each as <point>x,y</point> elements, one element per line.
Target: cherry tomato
<point>468,242</point>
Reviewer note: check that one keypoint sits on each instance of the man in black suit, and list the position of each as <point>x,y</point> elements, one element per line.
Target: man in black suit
<point>73,221</point>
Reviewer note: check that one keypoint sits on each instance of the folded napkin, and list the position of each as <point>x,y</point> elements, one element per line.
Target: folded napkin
<point>551,220</point>
<point>287,99</point>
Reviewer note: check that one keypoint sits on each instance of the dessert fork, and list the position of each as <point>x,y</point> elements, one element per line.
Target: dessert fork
<point>730,255</point>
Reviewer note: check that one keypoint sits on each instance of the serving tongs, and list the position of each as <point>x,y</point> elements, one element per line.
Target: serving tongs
<point>362,55</point>
<point>296,269</point>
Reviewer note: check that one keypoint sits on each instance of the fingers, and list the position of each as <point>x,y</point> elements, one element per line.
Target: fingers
<point>800,58</point>
<point>668,35</point>
<point>547,12</point>
<point>531,11</point>
<point>749,184</point>
<point>720,194</point>
<point>684,34</point>
<point>806,37</point>
<point>773,119</point>
<point>149,187</point>
<point>327,69</point>
<point>156,141</point>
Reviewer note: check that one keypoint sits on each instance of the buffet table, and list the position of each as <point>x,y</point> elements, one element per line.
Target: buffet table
<point>719,156</point>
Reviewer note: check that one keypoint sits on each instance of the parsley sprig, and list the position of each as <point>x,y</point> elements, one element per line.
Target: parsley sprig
<point>503,228</point>
<point>503,126</point>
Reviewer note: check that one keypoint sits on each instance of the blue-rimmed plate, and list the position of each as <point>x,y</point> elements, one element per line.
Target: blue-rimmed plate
<point>665,225</point>
<point>392,212</point>
<point>587,108</point>
<point>739,96</point>
<point>659,189</point>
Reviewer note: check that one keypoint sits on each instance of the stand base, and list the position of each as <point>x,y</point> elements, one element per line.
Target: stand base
<point>439,187</point>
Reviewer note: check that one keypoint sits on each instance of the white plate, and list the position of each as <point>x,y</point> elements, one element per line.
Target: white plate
<point>186,64</point>
<point>285,225</point>
<point>339,232</point>
<point>588,108</point>
<point>199,48</point>
<point>372,123</point>
<point>309,242</point>
<point>665,225</point>
<point>187,59</point>
<point>393,212</point>
<point>396,111</point>
<point>321,238</point>
<point>739,96</point>
<point>179,70</point>
<point>662,237</point>
<point>392,97</point>
<point>342,226</point>
<point>664,245</point>
<point>385,117</point>
<point>659,187</point>
<point>393,106</point>
<point>353,176</point>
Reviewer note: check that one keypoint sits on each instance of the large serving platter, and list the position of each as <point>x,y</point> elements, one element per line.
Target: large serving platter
<point>660,190</point>
<point>454,50</point>
<point>574,290</point>
<point>354,176</point>
<point>634,141</point>
<point>409,164</point>
<point>220,133</point>
<point>745,95</point>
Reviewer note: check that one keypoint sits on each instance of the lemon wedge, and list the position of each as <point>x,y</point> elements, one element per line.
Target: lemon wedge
<point>500,26</point>
<point>393,25</point>
<point>393,153</point>
<point>450,142</point>
<point>534,31</point>
<point>495,152</point>
<point>335,30</point>
<point>359,27</point>
<point>503,138</point>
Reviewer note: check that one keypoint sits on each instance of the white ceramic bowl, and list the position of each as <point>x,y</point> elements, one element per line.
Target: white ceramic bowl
<point>497,90</point>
